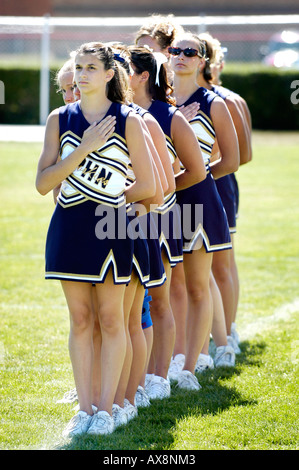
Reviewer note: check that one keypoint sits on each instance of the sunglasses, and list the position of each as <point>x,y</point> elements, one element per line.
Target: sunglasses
<point>188,52</point>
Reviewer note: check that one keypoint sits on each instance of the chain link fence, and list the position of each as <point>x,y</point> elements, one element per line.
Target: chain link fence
<point>47,41</point>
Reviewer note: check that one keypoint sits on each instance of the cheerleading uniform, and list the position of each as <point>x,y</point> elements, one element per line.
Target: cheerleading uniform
<point>167,216</point>
<point>149,234</point>
<point>89,231</point>
<point>210,226</point>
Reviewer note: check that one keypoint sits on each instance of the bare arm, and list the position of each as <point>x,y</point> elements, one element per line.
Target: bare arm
<point>154,153</point>
<point>160,145</point>
<point>158,198</point>
<point>144,186</point>
<point>243,107</point>
<point>226,138</point>
<point>240,126</point>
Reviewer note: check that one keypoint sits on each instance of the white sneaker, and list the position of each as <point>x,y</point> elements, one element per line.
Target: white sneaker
<point>131,410</point>
<point>225,356</point>
<point>204,362</point>
<point>159,388</point>
<point>119,415</point>
<point>141,398</point>
<point>188,381</point>
<point>101,423</point>
<point>78,425</point>
<point>147,381</point>
<point>176,365</point>
<point>231,342</point>
<point>69,397</point>
<point>234,333</point>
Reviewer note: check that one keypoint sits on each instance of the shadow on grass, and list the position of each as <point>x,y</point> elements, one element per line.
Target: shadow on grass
<point>153,429</point>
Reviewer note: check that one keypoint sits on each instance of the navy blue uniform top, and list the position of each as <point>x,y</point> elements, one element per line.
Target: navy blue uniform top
<point>101,176</point>
<point>202,123</point>
<point>163,113</point>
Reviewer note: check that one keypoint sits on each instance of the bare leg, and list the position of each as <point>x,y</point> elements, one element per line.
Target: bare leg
<point>179,303</point>
<point>149,338</point>
<point>197,268</point>
<point>78,296</point>
<point>97,346</point>
<point>218,325</point>
<point>126,370</point>
<point>139,345</point>
<point>163,322</point>
<point>111,319</point>
<point>222,273</point>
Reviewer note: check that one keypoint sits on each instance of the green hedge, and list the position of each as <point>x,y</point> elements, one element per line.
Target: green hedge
<point>267,91</point>
<point>22,95</point>
<point>268,94</point>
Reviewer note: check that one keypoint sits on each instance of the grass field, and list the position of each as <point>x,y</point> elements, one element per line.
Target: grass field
<point>252,406</point>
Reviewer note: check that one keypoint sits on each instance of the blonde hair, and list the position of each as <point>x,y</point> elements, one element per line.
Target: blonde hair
<point>163,29</point>
<point>68,67</point>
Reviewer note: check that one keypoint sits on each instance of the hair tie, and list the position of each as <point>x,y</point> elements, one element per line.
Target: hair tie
<point>160,59</point>
<point>119,58</point>
<point>146,46</point>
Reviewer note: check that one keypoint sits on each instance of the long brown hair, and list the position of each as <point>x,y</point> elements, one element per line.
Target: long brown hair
<point>144,60</point>
<point>116,88</point>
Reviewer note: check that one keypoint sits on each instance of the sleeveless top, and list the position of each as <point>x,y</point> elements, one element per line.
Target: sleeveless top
<point>101,176</point>
<point>202,123</point>
<point>141,111</point>
<point>163,113</point>
<point>222,92</point>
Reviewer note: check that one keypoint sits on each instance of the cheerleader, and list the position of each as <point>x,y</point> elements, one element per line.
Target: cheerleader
<point>187,60</point>
<point>96,137</point>
<point>232,100</point>
<point>158,33</point>
<point>222,260</point>
<point>66,86</point>
<point>150,86</point>
<point>135,393</point>
<point>136,301</point>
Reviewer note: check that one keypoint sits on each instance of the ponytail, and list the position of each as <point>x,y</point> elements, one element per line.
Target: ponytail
<point>144,60</point>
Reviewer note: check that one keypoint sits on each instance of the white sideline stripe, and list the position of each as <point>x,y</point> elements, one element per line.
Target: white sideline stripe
<point>21,133</point>
<point>284,312</point>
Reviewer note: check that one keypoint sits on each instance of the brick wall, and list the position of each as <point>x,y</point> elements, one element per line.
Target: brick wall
<point>25,7</point>
<point>178,7</point>
<point>145,7</point>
